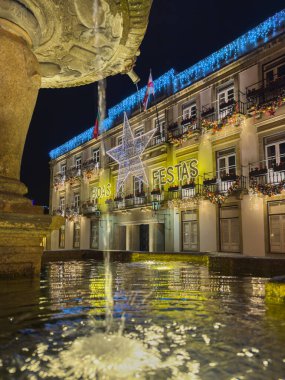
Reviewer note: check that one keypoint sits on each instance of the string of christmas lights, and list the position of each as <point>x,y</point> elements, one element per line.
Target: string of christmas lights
<point>173,82</point>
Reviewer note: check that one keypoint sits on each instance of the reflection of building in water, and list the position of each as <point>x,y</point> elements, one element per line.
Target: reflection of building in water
<point>69,281</point>
<point>215,166</point>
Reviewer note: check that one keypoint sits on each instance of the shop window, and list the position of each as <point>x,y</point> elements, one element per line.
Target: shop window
<point>76,235</point>
<point>61,241</point>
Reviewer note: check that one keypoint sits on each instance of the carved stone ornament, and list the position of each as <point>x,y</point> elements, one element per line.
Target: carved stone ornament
<point>79,41</point>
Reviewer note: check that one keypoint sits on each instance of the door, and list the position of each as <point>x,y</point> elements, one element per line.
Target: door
<point>277,233</point>
<point>230,239</point>
<point>121,244</point>
<point>144,237</point>
<point>190,236</point>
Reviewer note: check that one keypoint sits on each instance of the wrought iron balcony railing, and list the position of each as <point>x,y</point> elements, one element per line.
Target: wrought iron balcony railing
<point>267,172</point>
<point>266,91</point>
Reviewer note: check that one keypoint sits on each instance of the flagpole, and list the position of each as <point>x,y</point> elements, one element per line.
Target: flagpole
<point>157,117</point>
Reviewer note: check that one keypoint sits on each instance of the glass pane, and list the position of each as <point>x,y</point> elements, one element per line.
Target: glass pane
<point>269,76</point>
<point>281,71</point>
<point>282,151</point>
<point>232,160</point>
<point>222,163</point>
<point>271,151</point>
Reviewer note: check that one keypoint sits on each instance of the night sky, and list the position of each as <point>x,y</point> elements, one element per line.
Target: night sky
<point>180,33</point>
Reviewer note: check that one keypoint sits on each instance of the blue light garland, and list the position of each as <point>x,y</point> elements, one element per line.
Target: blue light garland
<point>263,33</point>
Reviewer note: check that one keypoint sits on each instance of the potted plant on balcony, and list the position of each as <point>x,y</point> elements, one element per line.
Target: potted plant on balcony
<point>129,196</point>
<point>140,194</point>
<point>279,167</point>
<point>207,112</point>
<point>229,177</point>
<point>189,185</point>
<point>172,126</point>
<point>209,182</point>
<point>173,188</point>
<point>118,198</point>
<point>256,172</point>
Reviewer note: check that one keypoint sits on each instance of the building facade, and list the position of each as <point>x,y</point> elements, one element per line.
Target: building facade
<point>215,164</point>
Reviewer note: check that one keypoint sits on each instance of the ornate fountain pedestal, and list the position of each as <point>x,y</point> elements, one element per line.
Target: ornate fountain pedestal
<point>51,43</point>
<point>22,226</point>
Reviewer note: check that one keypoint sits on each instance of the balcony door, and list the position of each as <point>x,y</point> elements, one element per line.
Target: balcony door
<point>230,229</point>
<point>275,158</point>
<point>226,165</point>
<point>189,231</point>
<point>276,211</point>
<point>225,101</point>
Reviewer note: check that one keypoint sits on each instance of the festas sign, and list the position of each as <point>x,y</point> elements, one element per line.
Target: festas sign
<point>184,171</point>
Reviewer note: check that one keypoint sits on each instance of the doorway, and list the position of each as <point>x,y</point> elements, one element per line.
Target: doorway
<point>189,231</point>
<point>230,229</point>
<point>144,237</point>
<point>276,211</point>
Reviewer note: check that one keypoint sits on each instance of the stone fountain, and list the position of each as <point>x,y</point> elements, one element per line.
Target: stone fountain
<point>51,44</point>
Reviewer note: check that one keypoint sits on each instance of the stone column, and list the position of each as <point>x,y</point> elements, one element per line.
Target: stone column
<point>22,226</point>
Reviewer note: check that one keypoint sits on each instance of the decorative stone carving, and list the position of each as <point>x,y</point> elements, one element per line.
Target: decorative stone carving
<point>80,41</point>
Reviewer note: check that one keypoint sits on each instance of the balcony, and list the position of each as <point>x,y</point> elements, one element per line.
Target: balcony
<point>184,192</point>
<point>130,201</point>
<point>230,114</point>
<point>183,131</point>
<point>90,208</point>
<point>265,97</point>
<point>158,139</point>
<point>73,174</point>
<point>59,180</point>
<point>90,167</point>
<point>224,184</point>
<point>267,177</point>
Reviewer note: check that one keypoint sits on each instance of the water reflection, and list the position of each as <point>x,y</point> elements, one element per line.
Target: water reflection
<point>181,321</point>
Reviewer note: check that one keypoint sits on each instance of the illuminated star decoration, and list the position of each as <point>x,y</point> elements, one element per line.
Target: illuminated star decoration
<point>128,154</point>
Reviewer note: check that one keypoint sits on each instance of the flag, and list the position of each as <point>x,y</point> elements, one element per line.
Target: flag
<point>149,91</point>
<point>96,126</point>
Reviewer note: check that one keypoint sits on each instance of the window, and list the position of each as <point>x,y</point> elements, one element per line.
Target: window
<point>159,123</point>
<point>63,170</point>
<point>119,140</point>
<point>96,155</point>
<point>76,235</point>
<point>274,73</point>
<point>189,111</point>
<point>139,131</point>
<point>138,186</point>
<point>76,200</point>
<point>275,151</point>
<point>78,163</point>
<point>226,98</point>
<point>61,241</point>
<point>226,162</point>
<point>94,234</point>
<point>62,203</point>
